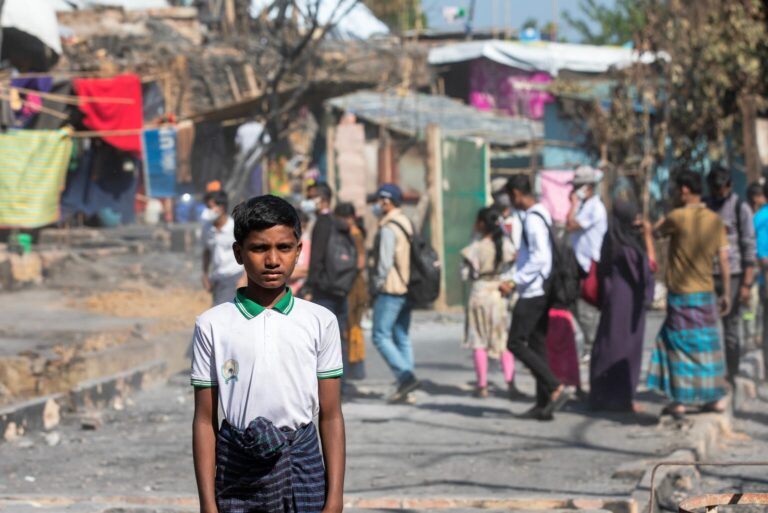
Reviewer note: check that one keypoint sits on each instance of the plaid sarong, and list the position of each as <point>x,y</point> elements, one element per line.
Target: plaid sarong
<point>687,363</point>
<point>267,470</point>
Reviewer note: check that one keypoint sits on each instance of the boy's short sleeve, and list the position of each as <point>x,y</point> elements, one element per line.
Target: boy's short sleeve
<point>329,363</point>
<point>203,359</point>
<point>669,226</point>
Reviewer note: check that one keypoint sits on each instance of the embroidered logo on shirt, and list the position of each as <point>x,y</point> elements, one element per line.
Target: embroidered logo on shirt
<point>229,371</point>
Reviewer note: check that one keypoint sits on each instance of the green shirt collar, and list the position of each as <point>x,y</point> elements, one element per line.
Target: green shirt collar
<point>251,309</point>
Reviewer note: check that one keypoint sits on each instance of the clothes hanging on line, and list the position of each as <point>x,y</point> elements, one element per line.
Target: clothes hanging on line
<point>113,116</point>
<point>33,165</point>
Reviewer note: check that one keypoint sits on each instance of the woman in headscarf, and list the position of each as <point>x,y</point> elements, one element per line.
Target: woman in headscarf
<point>626,289</point>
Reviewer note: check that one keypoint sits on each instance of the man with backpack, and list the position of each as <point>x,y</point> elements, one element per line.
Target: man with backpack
<point>742,253</point>
<point>332,262</point>
<point>533,280</point>
<point>390,278</point>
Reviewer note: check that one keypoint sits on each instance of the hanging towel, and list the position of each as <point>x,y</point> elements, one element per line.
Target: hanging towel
<point>113,116</point>
<point>33,166</point>
<point>160,162</point>
<point>555,193</point>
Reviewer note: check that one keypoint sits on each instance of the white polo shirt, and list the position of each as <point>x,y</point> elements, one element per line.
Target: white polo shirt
<point>219,244</point>
<point>266,362</point>
<point>588,242</point>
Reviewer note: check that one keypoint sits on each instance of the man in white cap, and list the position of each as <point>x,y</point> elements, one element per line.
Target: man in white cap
<point>587,223</point>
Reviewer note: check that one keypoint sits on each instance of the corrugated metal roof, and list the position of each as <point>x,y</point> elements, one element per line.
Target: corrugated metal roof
<point>411,113</point>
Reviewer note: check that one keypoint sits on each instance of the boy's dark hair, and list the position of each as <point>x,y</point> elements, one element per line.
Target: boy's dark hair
<point>324,191</point>
<point>755,189</point>
<point>718,177</point>
<point>345,209</point>
<point>690,180</point>
<point>262,213</point>
<point>218,197</point>
<point>519,182</point>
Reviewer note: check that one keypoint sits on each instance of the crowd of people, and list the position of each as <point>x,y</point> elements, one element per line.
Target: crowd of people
<point>537,289</point>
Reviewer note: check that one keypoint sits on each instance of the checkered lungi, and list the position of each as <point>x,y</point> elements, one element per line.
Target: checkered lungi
<point>687,363</point>
<point>267,470</point>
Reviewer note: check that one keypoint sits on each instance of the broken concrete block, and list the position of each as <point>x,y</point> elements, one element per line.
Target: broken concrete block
<point>91,422</point>
<point>53,439</point>
<point>51,414</point>
<point>11,432</point>
<point>26,269</point>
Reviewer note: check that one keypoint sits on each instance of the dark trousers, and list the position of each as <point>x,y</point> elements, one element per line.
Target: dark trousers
<point>528,342</point>
<point>731,324</point>
<point>764,301</point>
<point>337,305</point>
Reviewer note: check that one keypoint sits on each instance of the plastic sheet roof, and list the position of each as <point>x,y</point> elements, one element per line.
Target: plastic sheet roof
<point>37,20</point>
<point>68,5</point>
<point>410,115</point>
<point>541,56</point>
<point>353,19</point>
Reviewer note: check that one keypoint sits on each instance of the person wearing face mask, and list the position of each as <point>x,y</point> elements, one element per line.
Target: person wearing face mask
<point>309,205</point>
<point>390,275</point>
<point>587,222</point>
<point>221,272</point>
<point>736,215</point>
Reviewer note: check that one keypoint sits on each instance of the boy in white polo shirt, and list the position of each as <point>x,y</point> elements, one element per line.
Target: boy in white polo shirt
<point>272,362</point>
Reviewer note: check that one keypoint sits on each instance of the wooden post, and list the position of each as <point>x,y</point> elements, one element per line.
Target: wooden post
<point>330,156</point>
<point>435,191</point>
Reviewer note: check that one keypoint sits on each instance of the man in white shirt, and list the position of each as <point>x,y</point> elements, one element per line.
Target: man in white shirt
<point>587,223</point>
<point>527,335</point>
<point>221,272</point>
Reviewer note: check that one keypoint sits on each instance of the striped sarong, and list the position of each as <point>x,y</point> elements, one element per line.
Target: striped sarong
<point>687,364</point>
<point>267,470</point>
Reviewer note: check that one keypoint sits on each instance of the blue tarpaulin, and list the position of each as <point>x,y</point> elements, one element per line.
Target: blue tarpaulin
<point>160,162</point>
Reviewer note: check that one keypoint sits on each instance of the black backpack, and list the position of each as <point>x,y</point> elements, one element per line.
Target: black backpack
<point>424,283</point>
<point>563,287</point>
<point>340,260</point>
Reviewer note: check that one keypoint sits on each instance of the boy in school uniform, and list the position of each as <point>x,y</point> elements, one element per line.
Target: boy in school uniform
<point>273,363</point>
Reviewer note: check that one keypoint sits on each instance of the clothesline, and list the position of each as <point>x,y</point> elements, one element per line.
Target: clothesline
<point>69,99</point>
<point>38,108</point>
<point>80,74</point>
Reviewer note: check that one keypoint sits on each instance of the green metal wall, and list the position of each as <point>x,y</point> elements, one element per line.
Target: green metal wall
<point>465,190</point>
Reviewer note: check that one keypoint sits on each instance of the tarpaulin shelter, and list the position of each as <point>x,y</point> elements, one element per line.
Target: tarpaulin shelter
<point>31,38</point>
<point>351,19</point>
<point>439,151</point>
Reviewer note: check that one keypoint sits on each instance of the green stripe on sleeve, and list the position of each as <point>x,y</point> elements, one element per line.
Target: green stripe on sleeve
<point>199,383</point>
<point>335,373</point>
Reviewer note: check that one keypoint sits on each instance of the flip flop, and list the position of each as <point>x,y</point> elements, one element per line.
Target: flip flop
<point>674,413</point>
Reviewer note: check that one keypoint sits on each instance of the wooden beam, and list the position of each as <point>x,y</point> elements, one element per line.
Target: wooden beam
<point>435,191</point>
<point>233,84</point>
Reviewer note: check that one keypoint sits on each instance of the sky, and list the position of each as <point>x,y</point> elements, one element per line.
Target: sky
<point>518,11</point>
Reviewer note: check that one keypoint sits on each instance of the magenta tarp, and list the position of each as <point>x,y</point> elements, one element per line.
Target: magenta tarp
<point>495,87</point>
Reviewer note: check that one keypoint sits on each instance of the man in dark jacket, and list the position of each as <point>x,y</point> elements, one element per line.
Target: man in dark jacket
<point>737,218</point>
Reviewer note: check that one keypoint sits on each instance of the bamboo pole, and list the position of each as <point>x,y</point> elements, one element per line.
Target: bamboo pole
<point>40,108</point>
<point>69,99</point>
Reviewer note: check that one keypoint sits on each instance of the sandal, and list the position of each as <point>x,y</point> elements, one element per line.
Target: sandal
<point>714,407</point>
<point>677,412</point>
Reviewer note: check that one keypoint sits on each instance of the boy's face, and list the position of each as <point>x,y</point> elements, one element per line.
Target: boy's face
<point>269,256</point>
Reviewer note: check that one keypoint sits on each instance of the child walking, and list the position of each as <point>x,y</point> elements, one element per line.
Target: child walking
<point>273,363</point>
<point>487,322</point>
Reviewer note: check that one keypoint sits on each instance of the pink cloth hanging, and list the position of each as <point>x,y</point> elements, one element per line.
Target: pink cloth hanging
<point>555,193</point>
